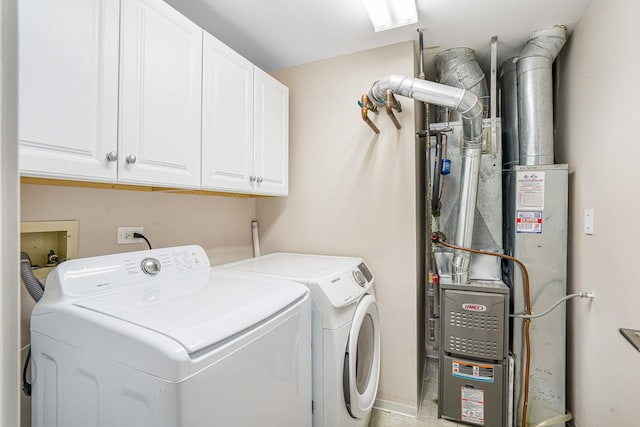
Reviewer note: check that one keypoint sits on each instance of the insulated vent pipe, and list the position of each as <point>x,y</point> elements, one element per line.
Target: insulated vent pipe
<point>535,95</point>
<point>470,108</point>
<point>458,67</point>
<point>509,113</point>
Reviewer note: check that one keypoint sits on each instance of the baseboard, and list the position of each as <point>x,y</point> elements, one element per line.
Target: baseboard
<point>385,405</point>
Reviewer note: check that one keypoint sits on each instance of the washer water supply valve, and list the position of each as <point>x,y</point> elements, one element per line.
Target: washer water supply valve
<point>52,259</point>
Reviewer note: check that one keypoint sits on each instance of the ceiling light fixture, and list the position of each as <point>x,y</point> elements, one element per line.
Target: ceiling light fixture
<point>388,14</point>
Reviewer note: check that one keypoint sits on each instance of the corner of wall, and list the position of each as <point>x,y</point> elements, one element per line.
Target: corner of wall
<point>9,213</point>
<point>422,228</point>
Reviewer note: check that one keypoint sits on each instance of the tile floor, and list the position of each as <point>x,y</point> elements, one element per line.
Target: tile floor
<point>428,414</point>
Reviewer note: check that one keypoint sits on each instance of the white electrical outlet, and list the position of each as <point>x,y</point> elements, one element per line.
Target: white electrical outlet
<point>125,235</point>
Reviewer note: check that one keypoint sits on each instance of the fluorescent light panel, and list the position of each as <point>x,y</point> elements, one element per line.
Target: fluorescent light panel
<point>388,14</point>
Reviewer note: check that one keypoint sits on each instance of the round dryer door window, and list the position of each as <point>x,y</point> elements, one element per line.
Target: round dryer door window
<point>362,359</point>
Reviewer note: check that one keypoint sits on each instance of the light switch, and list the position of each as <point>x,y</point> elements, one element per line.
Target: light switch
<point>588,222</point>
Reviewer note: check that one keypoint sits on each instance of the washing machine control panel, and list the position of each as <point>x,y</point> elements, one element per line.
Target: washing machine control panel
<point>86,276</point>
<point>348,285</point>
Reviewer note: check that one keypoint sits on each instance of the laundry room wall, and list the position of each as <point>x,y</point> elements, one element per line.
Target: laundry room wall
<point>598,137</point>
<point>221,225</point>
<point>354,193</point>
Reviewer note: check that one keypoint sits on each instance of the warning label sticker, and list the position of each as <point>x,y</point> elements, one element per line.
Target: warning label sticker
<point>472,371</point>
<point>530,191</point>
<point>529,222</point>
<point>472,404</point>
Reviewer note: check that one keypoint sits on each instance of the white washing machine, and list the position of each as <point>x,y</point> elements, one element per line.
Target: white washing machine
<point>159,338</point>
<point>346,333</point>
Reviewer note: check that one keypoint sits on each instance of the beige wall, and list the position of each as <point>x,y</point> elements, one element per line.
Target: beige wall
<point>221,225</point>
<point>354,193</point>
<point>599,138</point>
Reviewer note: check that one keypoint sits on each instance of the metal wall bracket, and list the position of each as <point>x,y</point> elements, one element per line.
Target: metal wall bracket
<point>494,97</point>
<point>633,336</point>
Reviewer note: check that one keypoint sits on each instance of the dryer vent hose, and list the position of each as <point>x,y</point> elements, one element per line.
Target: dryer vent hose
<point>31,282</point>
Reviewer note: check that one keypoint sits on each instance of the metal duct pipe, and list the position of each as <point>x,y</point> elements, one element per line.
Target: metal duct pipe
<point>470,109</point>
<point>535,95</point>
<point>509,113</point>
<point>458,67</point>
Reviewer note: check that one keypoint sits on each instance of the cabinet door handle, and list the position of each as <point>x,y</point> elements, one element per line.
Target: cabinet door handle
<point>252,178</point>
<point>259,179</point>
<point>131,159</point>
<point>112,156</point>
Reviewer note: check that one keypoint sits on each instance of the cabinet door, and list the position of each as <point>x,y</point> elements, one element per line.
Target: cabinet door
<point>271,135</point>
<point>160,96</point>
<point>227,118</point>
<point>68,64</point>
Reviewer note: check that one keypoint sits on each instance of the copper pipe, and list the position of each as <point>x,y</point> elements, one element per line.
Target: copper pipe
<point>390,103</point>
<point>365,106</point>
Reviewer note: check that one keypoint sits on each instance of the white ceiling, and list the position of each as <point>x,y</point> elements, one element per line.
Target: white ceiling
<point>276,34</point>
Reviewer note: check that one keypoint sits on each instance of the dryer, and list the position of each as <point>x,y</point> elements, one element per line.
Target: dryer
<point>158,338</point>
<point>345,331</point>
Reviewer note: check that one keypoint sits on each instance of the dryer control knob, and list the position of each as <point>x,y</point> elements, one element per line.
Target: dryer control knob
<point>360,279</point>
<point>150,266</point>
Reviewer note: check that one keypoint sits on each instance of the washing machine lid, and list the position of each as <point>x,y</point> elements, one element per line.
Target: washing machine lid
<point>335,281</point>
<point>298,267</point>
<point>199,310</point>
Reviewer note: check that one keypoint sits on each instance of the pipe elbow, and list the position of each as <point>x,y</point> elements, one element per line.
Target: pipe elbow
<point>472,112</point>
<point>376,93</point>
<point>396,83</point>
<point>470,106</point>
<point>545,43</point>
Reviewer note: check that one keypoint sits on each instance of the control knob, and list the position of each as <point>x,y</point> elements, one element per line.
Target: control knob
<point>150,266</point>
<point>360,279</point>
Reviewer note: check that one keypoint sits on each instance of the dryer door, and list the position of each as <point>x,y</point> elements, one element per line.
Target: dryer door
<point>362,359</point>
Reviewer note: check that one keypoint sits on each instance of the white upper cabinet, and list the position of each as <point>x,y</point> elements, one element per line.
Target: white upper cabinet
<point>227,118</point>
<point>68,88</point>
<point>160,96</point>
<point>271,135</point>
<point>245,125</point>
<point>133,92</point>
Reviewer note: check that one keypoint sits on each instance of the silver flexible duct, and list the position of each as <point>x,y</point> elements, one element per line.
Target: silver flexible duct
<point>458,67</point>
<point>31,282</point>
<point>470,109</point>
<point>535,95</point>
